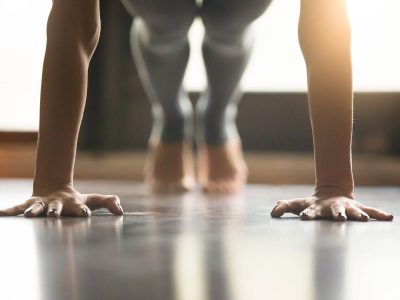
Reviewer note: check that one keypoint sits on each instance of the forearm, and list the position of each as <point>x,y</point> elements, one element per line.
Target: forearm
<point>325,41</point>
<point>63,95</point>
<point>330,101</point>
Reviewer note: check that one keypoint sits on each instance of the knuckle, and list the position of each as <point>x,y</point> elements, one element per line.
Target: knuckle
<point>113,198</point>
<point>56,202</point>
<point>307,202</point>
<point>282,202</point>
<point>19,206</point>
<point>336,205</point>
<point>359,205</point>
<point>71,200</point>
<point>40,203</point>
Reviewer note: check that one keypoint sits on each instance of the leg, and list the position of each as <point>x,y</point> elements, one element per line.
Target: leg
<point>226,50</point>
<point>161,51</point>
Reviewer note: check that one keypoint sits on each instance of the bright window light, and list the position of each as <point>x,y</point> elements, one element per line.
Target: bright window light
<point>23,40</point>
<point>277,64</point>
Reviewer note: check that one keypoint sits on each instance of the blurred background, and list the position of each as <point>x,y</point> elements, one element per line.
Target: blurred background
<point>273,116</point>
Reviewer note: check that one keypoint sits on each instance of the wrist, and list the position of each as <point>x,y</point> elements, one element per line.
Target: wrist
<point>46,187</point>
<point>333,191</point>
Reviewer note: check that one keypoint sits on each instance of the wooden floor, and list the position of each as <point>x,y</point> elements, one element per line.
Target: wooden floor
<point>194,247</point>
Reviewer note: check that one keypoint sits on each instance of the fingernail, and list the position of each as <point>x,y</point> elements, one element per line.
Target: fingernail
<point>341,216</point>
<point>274,209</point>
<point>120,208</point>
<point>28,213</point>
<point>84,211</point>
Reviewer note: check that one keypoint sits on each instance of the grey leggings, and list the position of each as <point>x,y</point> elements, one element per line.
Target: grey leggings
<point>161,50</point>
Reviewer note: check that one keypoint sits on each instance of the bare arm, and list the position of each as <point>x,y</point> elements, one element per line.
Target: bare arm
<point>72,35</point>
<point>324,36</point>
<point>73,32</point>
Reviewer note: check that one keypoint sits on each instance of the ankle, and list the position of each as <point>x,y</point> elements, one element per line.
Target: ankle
<point>216,131</point>
<point>172,126</point>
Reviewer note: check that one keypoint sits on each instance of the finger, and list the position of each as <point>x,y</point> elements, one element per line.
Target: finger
<point>35,210</point>
<point>294,206</point>
<point>80,210</point>
<point>15,210</point>
<point>75,209</point>
<point>55,208</point>
<point>308,214</point>
<point>338,212</point>
<point>357,214</point>
<point>377,213</point>
<point>280,209</point>
<point>111,202</point>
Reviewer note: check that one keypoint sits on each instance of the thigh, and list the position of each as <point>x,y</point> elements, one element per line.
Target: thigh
<point>231,15</point>
<point>163,14</point>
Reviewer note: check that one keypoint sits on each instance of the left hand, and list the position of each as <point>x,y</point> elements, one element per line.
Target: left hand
<point>331,207</point>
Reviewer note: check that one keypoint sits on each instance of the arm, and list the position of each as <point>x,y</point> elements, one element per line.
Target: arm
<point>324,36</point>
<point>72,35</point>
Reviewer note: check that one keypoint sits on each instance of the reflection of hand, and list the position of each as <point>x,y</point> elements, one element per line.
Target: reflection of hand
<point>329,205</point>
<point>64,201</point>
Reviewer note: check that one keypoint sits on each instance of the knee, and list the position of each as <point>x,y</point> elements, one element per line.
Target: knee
<point>165,21</point>
<point>75,22</point>
<point>229,24</point>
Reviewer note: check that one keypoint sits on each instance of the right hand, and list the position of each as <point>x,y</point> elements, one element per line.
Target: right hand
<point>64,201</point>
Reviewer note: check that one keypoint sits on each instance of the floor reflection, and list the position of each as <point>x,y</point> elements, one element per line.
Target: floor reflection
<point>373,261</point>
<point>197,246</point>
<point>19,271</point>
<point>61,246</point>
<point>329,260</point>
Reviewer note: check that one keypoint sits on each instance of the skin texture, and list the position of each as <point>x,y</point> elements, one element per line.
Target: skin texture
<point>324,36</point>
<point>232,172</point>
<point>329,204</point>
<point>64,201</point>
<point>73,32</point>
<point>162,158</point>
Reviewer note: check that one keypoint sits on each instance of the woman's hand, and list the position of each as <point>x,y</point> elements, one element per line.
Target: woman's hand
<point>63,201</point>
<point>331,206</point>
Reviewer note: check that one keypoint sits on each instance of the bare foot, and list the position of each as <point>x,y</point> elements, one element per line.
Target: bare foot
<point>222,169</point>
<point>169,167</point>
